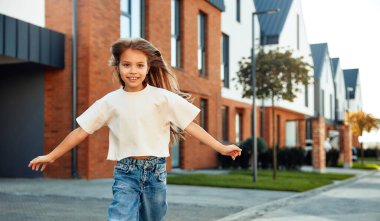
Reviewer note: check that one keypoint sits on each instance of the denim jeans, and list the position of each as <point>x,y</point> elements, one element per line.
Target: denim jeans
<point>139,190</point>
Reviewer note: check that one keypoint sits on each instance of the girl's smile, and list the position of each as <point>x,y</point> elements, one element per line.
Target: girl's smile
<point>133,69</point>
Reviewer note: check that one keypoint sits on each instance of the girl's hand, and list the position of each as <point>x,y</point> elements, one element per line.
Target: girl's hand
<point>40,161</point>
<point>231,150</point>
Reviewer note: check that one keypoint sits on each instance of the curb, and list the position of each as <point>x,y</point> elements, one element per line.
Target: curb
<point>258,211</point>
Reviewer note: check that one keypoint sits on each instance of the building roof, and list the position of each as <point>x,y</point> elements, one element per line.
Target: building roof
<point>318,52</point>
<point>334,62</point>
<point>219,4</point>
<point>351,80</point>
<point>271,25</point>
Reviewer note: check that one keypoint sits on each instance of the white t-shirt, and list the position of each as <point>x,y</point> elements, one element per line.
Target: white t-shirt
<point>139,122</point>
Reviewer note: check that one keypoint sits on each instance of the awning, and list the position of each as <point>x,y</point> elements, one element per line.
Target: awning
<point>22,42</point>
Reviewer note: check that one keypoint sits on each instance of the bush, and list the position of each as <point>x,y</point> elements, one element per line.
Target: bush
<point>244,160</point>
<point>332,157</point>
<point>372,152</point>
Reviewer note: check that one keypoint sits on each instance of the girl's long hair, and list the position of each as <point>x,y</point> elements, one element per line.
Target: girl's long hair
<point>159,75</point>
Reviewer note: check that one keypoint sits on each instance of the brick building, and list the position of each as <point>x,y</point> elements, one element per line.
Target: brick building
<point>184,29</point>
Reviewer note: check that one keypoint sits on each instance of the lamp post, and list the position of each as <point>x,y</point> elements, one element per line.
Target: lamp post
<point>253,62</point>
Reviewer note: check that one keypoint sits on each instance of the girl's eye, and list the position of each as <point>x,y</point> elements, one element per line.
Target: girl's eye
<point>141,65</point>
<point>125,65</point>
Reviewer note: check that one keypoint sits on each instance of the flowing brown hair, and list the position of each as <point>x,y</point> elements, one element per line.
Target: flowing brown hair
<point>159,74</point>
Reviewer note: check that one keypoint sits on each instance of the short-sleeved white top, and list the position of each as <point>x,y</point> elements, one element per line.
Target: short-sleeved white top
<point>139,122</point>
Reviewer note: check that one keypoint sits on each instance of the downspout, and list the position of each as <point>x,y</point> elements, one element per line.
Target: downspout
<point>74,153</point>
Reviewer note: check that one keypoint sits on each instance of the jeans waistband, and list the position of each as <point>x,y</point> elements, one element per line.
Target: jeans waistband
<point>142,162</point>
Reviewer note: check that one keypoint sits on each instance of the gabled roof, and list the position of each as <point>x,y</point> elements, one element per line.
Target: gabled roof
<point>271,25</point>
<point>335,62</point>
<point>219,4</point>
<point>318,52</point>
<point>350,80</point>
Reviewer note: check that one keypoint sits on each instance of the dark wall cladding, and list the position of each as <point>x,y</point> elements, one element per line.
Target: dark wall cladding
<point>21,117</point>
<point>31,43</point>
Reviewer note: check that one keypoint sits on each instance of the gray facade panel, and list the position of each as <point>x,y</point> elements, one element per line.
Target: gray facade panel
<point>22,40</point>
<point>34,44</point>
<point>2,31</point>
<point>10,37</point>
<point>45,47</point>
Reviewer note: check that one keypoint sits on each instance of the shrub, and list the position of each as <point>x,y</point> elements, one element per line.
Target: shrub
<point>244,160</point>
<point>332,157</point>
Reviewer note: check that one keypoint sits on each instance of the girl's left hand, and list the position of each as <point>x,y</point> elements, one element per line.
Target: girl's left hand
<point>231,150</point>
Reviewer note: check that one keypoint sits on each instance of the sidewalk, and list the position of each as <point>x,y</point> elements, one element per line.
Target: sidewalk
<point>301,200</point>
<point>185,202</point>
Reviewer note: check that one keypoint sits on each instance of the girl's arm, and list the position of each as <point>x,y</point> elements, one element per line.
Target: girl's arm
<point>198,132</point>
<point>73,139</point>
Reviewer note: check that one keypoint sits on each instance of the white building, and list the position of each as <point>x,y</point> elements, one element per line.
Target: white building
<point>324,92</point>
<point>340,93</point>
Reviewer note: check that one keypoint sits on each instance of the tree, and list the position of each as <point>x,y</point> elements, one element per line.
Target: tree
<point>278,76</point>
<point>360,122</point>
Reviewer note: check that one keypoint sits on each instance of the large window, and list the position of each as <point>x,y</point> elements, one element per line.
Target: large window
<point>239,127</point>
<point>175,33</point>
<point>238,10</point>
<point>225,123</point>
<point>298,31</point>
<point>202,44</point>
<point>132,18</point>
<point>204,114</point>
<point>291,133</point>
<point>306,95</point>
<point>323,103</point>
<point>225,61</point>
<point>331,107</point>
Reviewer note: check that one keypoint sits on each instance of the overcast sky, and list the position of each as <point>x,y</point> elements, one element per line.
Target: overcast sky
<point>352,30</point>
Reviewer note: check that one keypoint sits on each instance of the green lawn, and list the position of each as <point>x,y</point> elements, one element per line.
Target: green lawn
<point>364,166</point>
<point>286,180</point>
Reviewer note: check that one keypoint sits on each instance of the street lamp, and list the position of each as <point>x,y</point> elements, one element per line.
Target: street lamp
<point>253,62</point>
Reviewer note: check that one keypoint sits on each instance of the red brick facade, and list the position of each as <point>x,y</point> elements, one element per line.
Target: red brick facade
<point>281,116</point>
<point>98,26</point>
<point>319,151</point>
<point>346,145</point>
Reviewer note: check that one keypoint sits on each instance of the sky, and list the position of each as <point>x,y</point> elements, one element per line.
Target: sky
<point>352,31</point>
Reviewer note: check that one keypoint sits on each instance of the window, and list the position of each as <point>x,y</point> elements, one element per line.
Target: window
<point>175,33</point>
<point>331,107</point>
<point>239,127</point>
<point>132,18</point>
<point>238,10</point>
<point>225,124</point>
<point>225,61</point>
<point>204,114</point>
<point>323,103</point>
<point>306,95</point>
<point>291,133</point>
<point>298,31</point>
<point>202,44</point>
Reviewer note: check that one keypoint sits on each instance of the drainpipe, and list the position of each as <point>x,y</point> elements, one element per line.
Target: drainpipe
<point>74,153</point>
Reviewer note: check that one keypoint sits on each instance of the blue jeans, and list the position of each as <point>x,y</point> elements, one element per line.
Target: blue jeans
<point>139,190</point>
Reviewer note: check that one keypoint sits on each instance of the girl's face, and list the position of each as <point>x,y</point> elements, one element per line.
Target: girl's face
<point>133,69</point>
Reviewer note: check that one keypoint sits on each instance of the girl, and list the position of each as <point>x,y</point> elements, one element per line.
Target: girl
<point>146,115</point>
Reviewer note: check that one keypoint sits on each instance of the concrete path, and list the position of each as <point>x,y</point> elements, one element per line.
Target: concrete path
<point>62,200</point>
<point>59,199</point>
<point>350,200</point>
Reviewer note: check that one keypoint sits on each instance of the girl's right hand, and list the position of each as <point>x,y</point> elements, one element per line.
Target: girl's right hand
<point>40,161</point>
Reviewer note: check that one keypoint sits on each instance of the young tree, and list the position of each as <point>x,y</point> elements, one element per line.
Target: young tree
<point>278,76</point>
<point>360,122</point>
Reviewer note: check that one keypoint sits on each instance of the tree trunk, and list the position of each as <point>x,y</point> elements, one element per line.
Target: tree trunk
<point>274,142</point>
